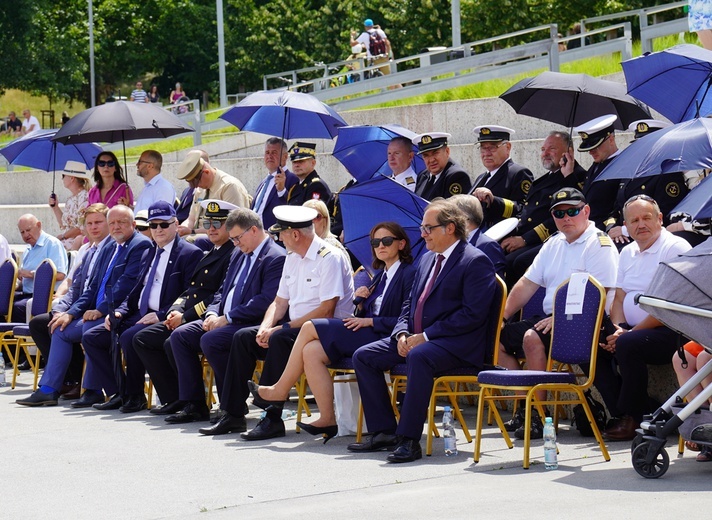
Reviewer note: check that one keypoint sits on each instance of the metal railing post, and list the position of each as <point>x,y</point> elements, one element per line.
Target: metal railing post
<point>645,43</point>
<point>554,48</point>
<point>628,35</point>
<point>198,134</point>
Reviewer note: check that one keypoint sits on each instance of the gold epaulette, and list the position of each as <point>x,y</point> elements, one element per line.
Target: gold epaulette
<point>604,239</point>
<point>542,232</point>
<point>324,251</point>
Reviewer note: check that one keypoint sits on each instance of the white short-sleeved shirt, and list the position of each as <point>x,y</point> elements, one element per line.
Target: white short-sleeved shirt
<point>407,178</point>
<point>593,253</point>
<point>322,274</point>
<point>636,270</point>
<point>31,122</point>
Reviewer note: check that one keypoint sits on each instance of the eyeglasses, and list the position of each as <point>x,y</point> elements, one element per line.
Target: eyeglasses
<point>236,240</point>
<point>490,147</point>
<point>426,230</point>
<point>571,212</point>
<point>387,241</point>
<point>110,164</point>
<point>162,225</point>
<point>217,224</point>
<point>646,198</point>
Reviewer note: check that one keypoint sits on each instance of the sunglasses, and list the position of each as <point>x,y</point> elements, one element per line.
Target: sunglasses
<point>142,227</point>
<point>101,164</point>
<point>162,225</point>
<point>571,212</point>
<point>217,224</point>
<point>387,241</point>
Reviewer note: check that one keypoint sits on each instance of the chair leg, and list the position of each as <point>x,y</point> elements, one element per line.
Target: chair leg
<point>680,445</point>
<point>15,369</point>
<point>432,430</point>
<point>359,423</point>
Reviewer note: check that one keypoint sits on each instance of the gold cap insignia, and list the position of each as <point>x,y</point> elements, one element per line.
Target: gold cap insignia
<point>642,127</point>
<point>561,195</point>
<point>485,131</point>
<point>213,207</point>
<point>426,139</point>
<point>583,135</point>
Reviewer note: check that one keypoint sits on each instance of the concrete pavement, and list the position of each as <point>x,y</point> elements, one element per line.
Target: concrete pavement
<point>65,463</point>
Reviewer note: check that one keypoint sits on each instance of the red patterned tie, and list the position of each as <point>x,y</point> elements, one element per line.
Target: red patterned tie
<point>418,318</point>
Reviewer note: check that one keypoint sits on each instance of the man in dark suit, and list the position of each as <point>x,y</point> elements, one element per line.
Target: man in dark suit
<point>442,177</point>
<point>164,274</point>
<point>241,301</point>
<point>472,209</point>
<point>599,140</point>
<point>442,326</point>
<point>152,342</point>
<point>504,178</point>
<point>310,186</point>
<point>272,191</point>
<point>115,274</point>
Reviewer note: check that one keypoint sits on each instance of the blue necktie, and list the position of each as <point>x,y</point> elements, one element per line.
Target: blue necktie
<point>261,193</point>
<point>101,294</point>
<point>241,279</point>
<point>143,305</point>
<point>375,294</point>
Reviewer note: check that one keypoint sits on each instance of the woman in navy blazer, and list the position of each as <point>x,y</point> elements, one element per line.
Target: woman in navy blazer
<point>322,342</point>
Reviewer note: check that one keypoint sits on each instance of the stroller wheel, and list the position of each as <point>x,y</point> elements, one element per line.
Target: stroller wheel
<point>636,442</point>
<point>648,464</point>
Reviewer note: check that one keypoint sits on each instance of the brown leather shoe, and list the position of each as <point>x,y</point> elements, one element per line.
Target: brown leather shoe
<point>623,430</point>
<point>70,392</point>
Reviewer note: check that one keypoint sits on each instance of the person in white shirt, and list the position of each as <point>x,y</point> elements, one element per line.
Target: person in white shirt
<point>156,187</point>
<point>400,161</point>
<point>30,124</point>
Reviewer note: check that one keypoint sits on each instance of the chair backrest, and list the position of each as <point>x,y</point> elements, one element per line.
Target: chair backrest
<point>494,320</point>
<point>574,337</point>
<point>45,277</point>
<point>535,305</point>
<point>361,278</point>
<point>8,280</point>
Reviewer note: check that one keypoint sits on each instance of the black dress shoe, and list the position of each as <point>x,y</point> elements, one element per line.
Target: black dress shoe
<point>134,404</point>
<point>216,415</point>
<point>226,424</point>
<point>89,399</point>
<point>192,412</point>
<point>326,431</point>
<point>260,401</point>
<point>269,427</point>
<point>112,404</point>
<point>38,398</point>
<point>24,366</point>
<point>169,408</point>
<point>375,442</point>
<point>407,450</point>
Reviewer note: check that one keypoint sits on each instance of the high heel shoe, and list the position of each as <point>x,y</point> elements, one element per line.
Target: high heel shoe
<point>257,400</point>
<point>327,431</point>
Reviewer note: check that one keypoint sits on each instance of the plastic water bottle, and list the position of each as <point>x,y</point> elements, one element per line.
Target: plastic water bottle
<point>449,434</point>
<point>2,371</point>
<point>550,457</point>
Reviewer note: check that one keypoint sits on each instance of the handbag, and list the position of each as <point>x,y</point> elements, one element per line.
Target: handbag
<point>581,421</point>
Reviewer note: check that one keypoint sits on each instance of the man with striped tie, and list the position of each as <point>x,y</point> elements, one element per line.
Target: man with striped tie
<point>273,189</point>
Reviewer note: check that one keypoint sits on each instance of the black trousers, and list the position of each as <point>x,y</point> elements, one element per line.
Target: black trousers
<point>244,354</point>
<point>43,339</point>
<point>149,345</point>
<point>519,261</point>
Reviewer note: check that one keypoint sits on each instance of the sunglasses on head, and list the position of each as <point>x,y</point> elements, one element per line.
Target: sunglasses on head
<point>387,241</point>
<point>571,212</point>
<point>108,163</point>
<point>217,224</point>
<point>162,225</point>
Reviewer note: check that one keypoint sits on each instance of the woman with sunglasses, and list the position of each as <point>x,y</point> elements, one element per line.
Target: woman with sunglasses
<point>111,187</point>
<point>322,342</point>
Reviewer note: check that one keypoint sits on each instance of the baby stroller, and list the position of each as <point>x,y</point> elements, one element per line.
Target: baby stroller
<point>681,297</point>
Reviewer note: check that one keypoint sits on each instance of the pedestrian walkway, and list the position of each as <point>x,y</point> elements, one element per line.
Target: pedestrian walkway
<point>64,463</point>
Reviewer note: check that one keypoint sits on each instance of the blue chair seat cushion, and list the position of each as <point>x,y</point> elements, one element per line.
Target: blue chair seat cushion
<point>21,330</point>
<point>345,363</point>
<point>523,377</point>
<point>9,327</point>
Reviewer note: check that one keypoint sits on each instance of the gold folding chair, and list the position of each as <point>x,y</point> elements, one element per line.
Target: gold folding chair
<point>8,281</point>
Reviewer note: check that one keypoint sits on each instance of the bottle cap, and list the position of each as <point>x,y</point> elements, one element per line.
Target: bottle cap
<point>446,409</point>
<point>547,420</point>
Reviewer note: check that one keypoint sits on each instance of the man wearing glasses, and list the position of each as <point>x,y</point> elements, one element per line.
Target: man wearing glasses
<point>578,248</point>
<point>209,183</point>
<point>155,187</point>
<point>442,177</point>
<point>164,274</point>
<point>247,289</point>
<point>151,344</point>
<point>442,326</point>
<point>504,178</point>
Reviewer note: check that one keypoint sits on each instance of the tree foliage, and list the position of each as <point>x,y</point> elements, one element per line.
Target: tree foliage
<point>46,43</point>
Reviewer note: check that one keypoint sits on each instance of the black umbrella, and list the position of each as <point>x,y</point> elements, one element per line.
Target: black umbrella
<point>573,99</point>
<point>121,121</point>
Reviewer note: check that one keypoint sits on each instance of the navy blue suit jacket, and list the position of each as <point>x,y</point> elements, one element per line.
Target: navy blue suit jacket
<point>455,313</point>
<point>398,290</point>
<point>260,287</point>
<point>179,270</point>
<point>123,278</point>
<point>274,200</point>
<point>492,249</point>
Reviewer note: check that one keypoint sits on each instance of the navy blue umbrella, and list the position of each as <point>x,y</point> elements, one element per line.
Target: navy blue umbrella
<point>363,149</point>
<point>378,200</point>
<point>285,113</point>
<point>37,150</point>
<point>681,147</point>
<point>675,82</point>
<point>698,203</point>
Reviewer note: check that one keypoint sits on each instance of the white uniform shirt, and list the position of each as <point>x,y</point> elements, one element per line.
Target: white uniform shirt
<point>407,178</point>
<point>593,253</point>
<point>636,270</point>
<point>322,274</point>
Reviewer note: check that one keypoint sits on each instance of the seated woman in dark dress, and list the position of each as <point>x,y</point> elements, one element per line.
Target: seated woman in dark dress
<point>325,341</point>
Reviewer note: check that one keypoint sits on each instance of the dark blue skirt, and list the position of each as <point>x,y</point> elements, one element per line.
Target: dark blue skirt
<point>338,341</point>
